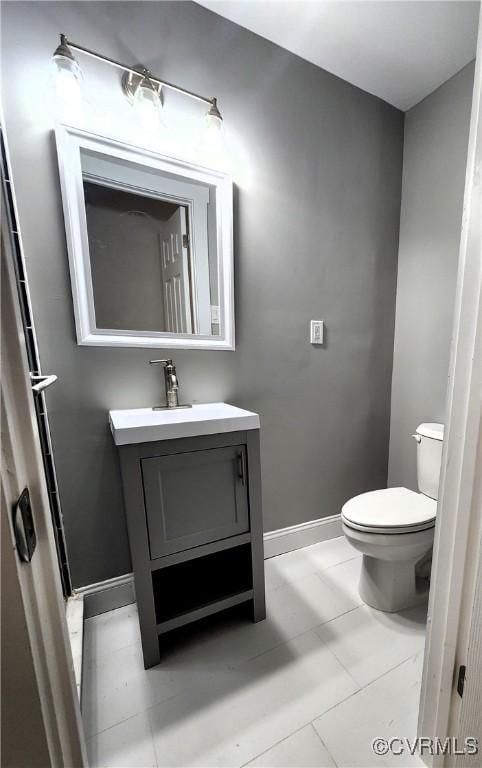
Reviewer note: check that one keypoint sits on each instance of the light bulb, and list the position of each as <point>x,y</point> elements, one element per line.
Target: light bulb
<point>213,147</point>
<point>213,127</point>
<point>147,106</point>
<point>68,82</point>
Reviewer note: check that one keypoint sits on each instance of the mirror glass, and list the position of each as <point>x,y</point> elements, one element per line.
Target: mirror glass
<point>152,240</point>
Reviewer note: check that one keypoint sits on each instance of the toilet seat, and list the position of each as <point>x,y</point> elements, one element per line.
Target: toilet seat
<point>390,511</point>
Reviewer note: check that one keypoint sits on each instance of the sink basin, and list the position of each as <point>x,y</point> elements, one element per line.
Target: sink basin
<point>142,425</point>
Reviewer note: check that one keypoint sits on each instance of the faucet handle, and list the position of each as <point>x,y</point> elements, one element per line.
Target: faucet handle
<point>163,362</point>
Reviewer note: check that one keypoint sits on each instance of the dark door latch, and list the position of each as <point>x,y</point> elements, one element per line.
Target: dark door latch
<point>24,527</point>
<point>461,680</point>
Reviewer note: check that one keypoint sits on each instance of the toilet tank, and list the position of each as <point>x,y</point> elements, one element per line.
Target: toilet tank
<point>429,439</point>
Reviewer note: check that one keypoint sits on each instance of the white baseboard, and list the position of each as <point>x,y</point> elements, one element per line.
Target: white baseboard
<point>74,613</point>
<point>114,593</point>
<point>301,535</point>
<point>107,595</point>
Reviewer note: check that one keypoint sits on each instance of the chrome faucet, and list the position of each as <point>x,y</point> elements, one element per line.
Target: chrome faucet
<point>171,383</point>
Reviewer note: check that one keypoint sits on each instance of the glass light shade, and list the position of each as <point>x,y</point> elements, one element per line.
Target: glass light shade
<point>213,127</point>
<point>68,80</point>
<point>147,106</point>
<point>213,146</point>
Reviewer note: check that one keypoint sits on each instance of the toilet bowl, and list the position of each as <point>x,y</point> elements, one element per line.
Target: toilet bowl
<point>394,528</point>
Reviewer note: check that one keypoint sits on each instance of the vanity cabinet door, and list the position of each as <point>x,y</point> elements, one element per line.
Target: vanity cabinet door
<point>194,498</point>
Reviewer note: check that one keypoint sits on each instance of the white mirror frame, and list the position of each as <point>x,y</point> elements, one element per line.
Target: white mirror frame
<point>70,141</point>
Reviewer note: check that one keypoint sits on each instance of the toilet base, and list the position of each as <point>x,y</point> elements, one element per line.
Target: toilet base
<point>391,586</point>
<point>395,571</point>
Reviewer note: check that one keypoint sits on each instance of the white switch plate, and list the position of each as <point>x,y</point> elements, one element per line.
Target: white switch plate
<point>316,332</point>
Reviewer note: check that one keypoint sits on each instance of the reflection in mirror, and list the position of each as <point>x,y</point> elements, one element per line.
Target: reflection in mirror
<point>152,249</point>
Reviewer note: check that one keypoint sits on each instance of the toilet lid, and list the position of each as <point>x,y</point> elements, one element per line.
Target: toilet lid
<point>390,510</point>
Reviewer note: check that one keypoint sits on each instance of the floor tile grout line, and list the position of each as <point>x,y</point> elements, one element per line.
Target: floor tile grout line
<point>363,687</point>
<point>308,547</point>
<point>143,711</point>
<point>352,610</point>
<point>125,720</point>
<point>309,722</point>
<point>267,650</point>
<point>275,744</point>
<point>110,727</point>
<point>313,571</point>
<point>323,743</point>
<point>244,662</point>
<point>328,583</point>
<point>343,666</point>
<point>182,692</point>
<point>360,687</point>
<point>324,567</point>
<point>335,618</point>
<point>108,654</point>
<point>348,559</point>
<point>153,741</point>
<point>295,637</point>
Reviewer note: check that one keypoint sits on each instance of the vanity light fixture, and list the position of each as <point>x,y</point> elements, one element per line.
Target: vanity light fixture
<point>214,120</point>
<point>68,75</point>
<point>142,88</point>
<point>146,100</point>
<point>212,147</point>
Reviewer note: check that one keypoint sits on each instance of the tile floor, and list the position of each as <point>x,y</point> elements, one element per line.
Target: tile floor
<point>310,686</point>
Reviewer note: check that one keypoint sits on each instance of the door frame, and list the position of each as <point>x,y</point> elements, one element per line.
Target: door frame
<point>43,677</point>
<point>458,516</point>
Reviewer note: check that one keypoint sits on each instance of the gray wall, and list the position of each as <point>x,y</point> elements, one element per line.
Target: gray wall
<point>316,236</point>
<point>434,160</point>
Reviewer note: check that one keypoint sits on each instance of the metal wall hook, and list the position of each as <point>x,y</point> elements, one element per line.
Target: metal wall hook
<point>42,382</point>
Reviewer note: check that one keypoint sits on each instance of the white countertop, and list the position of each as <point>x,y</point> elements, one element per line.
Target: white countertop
<point>142,425</point>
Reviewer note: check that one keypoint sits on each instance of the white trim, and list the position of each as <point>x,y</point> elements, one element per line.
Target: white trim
<point>100,586</point>
<point>301,535</point>
<point>70,142</point>
<point>465,713</point>
<point>74,615</point>
<point>458,477</point>
<point>275,543</point>
<point>107,595</point>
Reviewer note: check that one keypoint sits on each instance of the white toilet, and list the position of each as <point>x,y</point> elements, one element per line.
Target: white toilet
<point>394,528</point>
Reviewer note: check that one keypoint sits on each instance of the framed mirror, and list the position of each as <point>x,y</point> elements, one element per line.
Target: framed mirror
<point>149,240</point>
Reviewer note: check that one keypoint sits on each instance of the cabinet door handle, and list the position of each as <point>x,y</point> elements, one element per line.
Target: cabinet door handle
<point>241,468</point>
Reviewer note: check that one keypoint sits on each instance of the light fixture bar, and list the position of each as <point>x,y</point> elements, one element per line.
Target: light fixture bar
<point>148,74</point>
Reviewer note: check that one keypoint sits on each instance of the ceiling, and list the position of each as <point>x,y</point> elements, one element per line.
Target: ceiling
<point>399,50</point>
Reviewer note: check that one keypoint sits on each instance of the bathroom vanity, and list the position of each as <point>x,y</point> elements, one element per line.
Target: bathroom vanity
<point>192,491</point>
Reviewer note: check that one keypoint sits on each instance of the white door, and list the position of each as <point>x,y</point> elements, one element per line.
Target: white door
<point>41,722</point>
<point>175,274</point>
<point>466,704</point>
<point>455,605</point>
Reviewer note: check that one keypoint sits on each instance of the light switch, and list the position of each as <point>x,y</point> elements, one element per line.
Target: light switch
<point>316,332</point>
